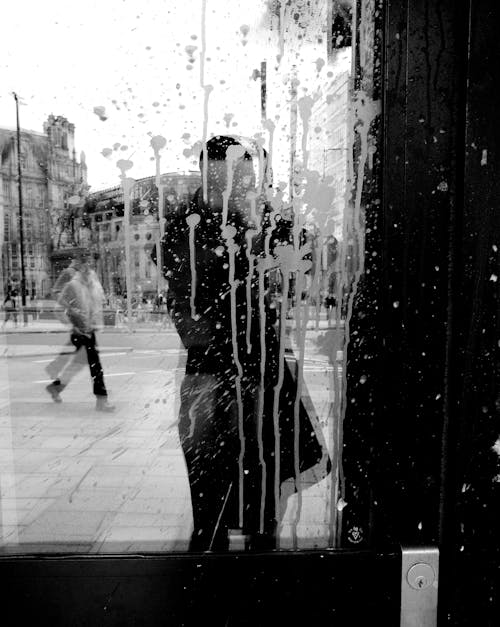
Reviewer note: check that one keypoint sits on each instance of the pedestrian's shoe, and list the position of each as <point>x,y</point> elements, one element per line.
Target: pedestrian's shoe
<point>101,404</point>
<point>54,389</point>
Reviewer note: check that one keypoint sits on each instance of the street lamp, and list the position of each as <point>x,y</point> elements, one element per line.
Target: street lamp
<point>157,144</point>
<point>21,223</point>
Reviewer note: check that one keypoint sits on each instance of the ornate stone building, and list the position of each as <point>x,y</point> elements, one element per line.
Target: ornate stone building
<point>54,185</point>
<point>104,215</point>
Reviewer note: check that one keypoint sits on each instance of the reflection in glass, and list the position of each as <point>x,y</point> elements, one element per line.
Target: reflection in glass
<point>219,201</point>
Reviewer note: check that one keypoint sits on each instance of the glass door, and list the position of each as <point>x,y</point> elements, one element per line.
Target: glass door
<point>179,273</point>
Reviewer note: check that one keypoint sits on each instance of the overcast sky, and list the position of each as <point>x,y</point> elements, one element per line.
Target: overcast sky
<point>68,57</point>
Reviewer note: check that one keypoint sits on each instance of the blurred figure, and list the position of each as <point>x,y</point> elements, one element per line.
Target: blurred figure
<point>82,300</point>
<point>119,307</point>
<point>149,309</point>
<point>10,307</point>
<point>164,321</point>
<point>55,367</point>
<point>330,304</point>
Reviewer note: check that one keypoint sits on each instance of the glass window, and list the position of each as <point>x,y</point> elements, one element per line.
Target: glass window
<point>7,191</point>
<point>213,418</point>
<point>6,227</point>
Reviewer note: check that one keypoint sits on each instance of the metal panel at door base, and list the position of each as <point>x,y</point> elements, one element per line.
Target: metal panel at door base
<point>419,586</point>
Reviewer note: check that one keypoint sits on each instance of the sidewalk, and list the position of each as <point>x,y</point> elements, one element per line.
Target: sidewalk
<point>51,337</point>
<point>78,481</point>
<point>321,341</point>
<point>54,326</point>
<point>40,350</point>
<point>118,483</point>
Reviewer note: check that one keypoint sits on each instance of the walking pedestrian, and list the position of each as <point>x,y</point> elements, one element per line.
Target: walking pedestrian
<point>56,366</point>
<point>10,308</point>
<point>82,301</point>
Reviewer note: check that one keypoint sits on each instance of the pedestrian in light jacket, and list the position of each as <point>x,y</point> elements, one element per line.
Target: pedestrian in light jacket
<point>82,301</point>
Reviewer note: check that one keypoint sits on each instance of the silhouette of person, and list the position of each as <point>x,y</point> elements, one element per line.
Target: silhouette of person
<point>10,307</point>
<point>56,366</point>
<point>227,426</point>
<point>82,301</point>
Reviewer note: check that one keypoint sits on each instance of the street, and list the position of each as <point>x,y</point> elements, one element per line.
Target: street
<point>75,479</point>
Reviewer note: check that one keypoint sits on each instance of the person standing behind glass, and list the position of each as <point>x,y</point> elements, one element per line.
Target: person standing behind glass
<point>214,301</point>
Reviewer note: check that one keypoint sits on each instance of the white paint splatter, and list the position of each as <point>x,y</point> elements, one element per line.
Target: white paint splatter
<point>192,220</point>
<point>101,113</point>
<point>496,447</point>
<point>341,504</point>
<point>233,154</point>
<point>127,184</point>
<point>229,233</point>
<point>249,235</point>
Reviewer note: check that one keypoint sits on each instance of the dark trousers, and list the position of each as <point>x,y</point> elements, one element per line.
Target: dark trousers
<point>10,313</point>
<point>226,462</point>
<point>86,352</point>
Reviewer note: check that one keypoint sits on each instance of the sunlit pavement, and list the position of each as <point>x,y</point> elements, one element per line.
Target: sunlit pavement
<point>73,479</point>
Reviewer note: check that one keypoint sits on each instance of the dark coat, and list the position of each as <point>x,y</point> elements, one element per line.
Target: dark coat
<point>211,335</point>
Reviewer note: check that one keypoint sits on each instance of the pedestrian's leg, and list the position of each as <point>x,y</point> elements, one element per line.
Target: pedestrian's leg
<point>97,375</point>
<point>95,366</point>
<point>73,366</point>
<point>77,361</point>
<point>58,364</point>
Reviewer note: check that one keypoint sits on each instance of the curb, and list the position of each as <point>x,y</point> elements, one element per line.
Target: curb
<point>102,351</point>
<point>104,331</point>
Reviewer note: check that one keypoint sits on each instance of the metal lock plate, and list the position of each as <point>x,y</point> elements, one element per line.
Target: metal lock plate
<point>419,586</point>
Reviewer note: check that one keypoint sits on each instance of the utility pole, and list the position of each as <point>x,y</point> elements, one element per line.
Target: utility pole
<point>20,193</point>
<point>263,90</point>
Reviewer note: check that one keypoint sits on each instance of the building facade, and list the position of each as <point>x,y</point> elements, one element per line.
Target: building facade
<point>104,217</point>
<point>54,184</point>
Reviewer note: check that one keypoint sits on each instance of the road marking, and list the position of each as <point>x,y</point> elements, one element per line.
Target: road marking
<point>46,361</point>
<point>325,369</point>
<point>112,374</point>
<point>118,374</point>
<point>171,351</point>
